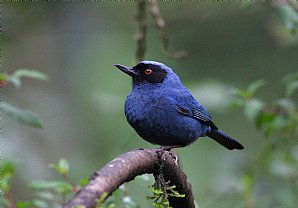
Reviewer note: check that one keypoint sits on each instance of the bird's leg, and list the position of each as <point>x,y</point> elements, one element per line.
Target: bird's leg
<point>173,154</point>
<point>168,148</point>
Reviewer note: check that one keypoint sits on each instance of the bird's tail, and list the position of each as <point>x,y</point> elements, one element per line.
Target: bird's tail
<point>224,139</point>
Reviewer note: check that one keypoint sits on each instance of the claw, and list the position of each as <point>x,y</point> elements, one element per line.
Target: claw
<point>174,155</point>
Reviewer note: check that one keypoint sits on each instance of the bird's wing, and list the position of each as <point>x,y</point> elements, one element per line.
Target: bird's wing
<point>188,106</point>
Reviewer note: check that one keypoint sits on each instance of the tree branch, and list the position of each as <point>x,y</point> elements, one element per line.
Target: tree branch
<point>125,168</point>
<point>141,32</point>
<point>161,26</point>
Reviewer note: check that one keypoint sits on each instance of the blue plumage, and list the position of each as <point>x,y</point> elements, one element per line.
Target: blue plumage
<point>162,110</point>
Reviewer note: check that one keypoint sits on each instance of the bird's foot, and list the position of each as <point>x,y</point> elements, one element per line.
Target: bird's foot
<point>174,156</point>
<point>168,148</point>
<point>172,153</point>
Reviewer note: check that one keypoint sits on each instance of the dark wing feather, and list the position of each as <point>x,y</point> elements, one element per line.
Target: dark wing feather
<point>190,107</point>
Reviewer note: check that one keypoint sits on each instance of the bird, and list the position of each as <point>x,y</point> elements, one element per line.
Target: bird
<point>163,112</point>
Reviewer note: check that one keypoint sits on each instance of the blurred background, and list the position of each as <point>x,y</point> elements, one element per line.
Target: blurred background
<point>75,44</point>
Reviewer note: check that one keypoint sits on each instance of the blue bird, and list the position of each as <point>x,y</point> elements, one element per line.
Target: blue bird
<point>162,111</point>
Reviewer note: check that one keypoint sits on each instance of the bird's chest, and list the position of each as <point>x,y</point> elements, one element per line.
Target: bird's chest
<point>141,108</point>
<point>145,111</point>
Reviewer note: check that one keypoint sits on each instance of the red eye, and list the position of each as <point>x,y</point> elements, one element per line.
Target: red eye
<point>148,71</point>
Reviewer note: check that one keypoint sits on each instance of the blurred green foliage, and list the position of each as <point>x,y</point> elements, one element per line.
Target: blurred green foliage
<point>291,82</point>
<point>21,115</point>
<point>287,15</point>
<point>280,118</point>
<point>50,193</point>
<point>7,172</point>
<point>62,167</point>
<point>77,44</point>
<point>24,116</point>
<point>15,78</point>
<point>277,157</point>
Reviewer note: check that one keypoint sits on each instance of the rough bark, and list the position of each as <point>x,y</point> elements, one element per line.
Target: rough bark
<point>125,168</point>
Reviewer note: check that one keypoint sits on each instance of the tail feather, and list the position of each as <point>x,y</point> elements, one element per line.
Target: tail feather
<point>224,139</point>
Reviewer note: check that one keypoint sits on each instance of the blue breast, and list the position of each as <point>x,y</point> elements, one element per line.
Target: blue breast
<point>155,118</point>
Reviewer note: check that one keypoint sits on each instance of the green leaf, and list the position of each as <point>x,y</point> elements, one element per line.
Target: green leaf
<point>112,205</point>
<point>3,77</point>
<point>23,204</point>
<point>241,93</point>
<point>291,87</point>
<point>291,81</point>
<point>287,105</point>
<point>290,77</point>
<point>23,116</point>
<point>83,181</point>
<point>280,123</point>
<point>46,195</point>
<point>59,186</point>
<point>101,199</point>
<point>252,108</point>
<point>7,172</point>
<point>247,182</point>
<point>236,103</point>
<point>288,16</point>
<point>264,118</point>
<point>15,78</point>
<point>62,167</point>
<point>39,203</point>
<point>253,87</point>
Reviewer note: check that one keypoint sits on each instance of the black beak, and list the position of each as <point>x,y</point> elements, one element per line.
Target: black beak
<point>126,70</point>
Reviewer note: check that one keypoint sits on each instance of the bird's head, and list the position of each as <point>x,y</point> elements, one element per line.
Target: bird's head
<point>148,72</point>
